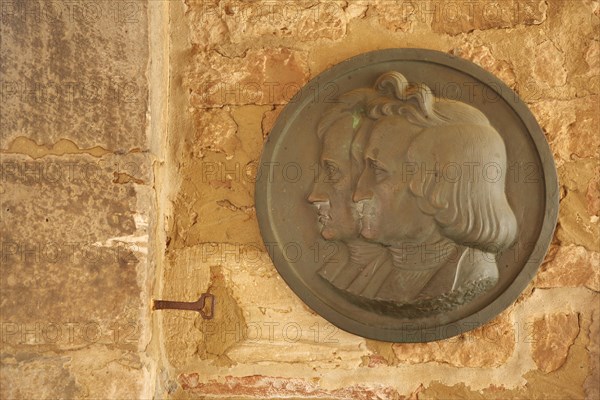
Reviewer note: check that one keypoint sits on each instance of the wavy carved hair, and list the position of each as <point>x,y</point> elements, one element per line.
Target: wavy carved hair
<point>471,210</point>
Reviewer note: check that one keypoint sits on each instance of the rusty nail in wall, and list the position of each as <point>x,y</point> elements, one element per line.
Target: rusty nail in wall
<point>198,305</point>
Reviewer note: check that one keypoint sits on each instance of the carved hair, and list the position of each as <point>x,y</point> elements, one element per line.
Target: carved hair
<point>472,210</point>
<point>417,103</point>
<point>351,104</point>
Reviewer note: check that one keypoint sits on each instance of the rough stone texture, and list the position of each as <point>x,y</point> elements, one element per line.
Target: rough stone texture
<point>219,24</point>
<point>260,387</point>
<point>215,131</point>
<point>90,88</point>
<point>48,376</point>
<point>482,56</point>
<point>572,30</point>
<point>553,336</point>
<point>218,186</point>
<point>592,383</point>
<point>578,215</point>
<point>269,119</point>
<point>396,18</point>
<point>95,371</point>
<point>549,65</point>
<point>570,266</point>
<point>77,271</point>
<point>267,327</point>
<point>230,314</point>
<point>74,198</point>
<point>262,76</point>
<point>465,17</point>
<point>70,287</point>
<point>565,383</point>
<point>571,127</point>
<point>497,337</point>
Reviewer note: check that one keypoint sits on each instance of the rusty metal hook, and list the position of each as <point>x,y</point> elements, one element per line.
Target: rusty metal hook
<point>197,305</point>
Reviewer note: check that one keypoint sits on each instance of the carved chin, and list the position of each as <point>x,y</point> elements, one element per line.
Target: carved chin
<point>368,233</point>
<point>328,233</point>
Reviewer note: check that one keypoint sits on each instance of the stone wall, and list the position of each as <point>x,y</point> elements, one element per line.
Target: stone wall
<point>144,189</point>
<point>75,189</point>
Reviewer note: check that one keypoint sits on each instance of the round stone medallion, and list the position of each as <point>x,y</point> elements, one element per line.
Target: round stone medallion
<point>406,195</point>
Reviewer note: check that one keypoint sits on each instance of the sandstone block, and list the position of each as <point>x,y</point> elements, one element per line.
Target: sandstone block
<point>264,76</point>
<point>266,387</point>
<point>592,383</point>
<point>553,335</point>
<point>487,346</point>
<point>576,224</point>
<point>456,18</point>
<point>571,126</point>
<point>570,266</point>
<point>215,23</point>
<point>482,56</point>
<point>90,87</point>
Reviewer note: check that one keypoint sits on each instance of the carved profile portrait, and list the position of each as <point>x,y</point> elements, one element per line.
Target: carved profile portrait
<point>414,186</point>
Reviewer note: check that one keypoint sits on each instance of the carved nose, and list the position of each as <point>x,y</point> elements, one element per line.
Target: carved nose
<point>360,195</point>
<point>317,196</point>
<point>362,192</point>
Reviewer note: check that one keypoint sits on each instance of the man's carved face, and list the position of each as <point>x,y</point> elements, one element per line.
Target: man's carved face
<point>332,190</point>
<point>388,210</point>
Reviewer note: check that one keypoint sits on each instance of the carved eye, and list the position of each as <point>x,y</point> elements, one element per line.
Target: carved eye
<point>332,172</point>
<point>379,172</point>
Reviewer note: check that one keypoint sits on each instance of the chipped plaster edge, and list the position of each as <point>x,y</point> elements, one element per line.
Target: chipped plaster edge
<point>157,73</point>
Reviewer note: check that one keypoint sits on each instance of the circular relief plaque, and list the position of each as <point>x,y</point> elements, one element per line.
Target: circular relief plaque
<point>407,195</point>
